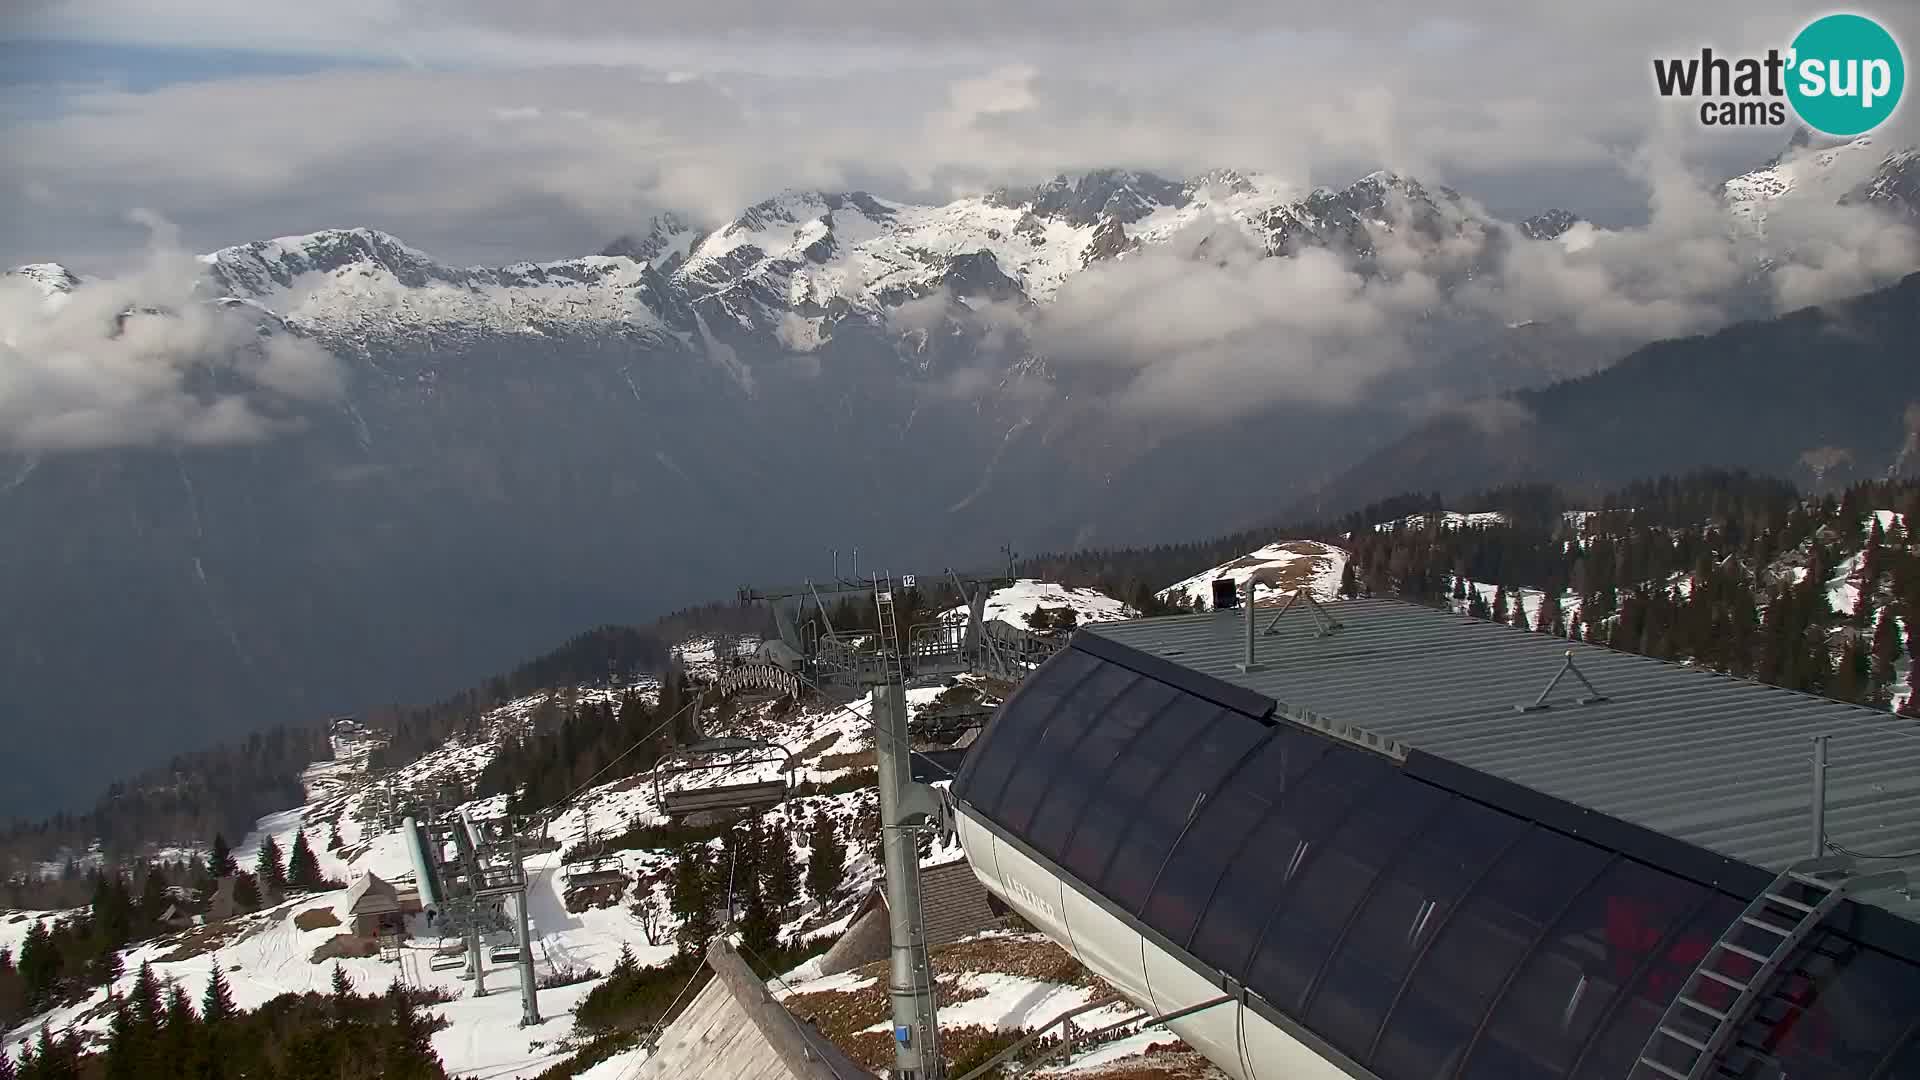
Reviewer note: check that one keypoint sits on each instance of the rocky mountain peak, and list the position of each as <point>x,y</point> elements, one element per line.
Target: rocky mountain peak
<point>1105,194</point>
<point>257,267</point>
<point>664,244</point>
<point>1548,224</point>
<point>50,278</point>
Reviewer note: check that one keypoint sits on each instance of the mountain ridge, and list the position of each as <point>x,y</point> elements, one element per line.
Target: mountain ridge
<point>818,255</point>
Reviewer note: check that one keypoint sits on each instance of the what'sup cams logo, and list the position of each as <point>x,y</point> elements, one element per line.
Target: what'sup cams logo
<point>1842,75</point>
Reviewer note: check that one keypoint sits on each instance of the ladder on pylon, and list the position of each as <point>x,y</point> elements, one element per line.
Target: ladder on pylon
<point>889,628</point>
<point>1724,990</point>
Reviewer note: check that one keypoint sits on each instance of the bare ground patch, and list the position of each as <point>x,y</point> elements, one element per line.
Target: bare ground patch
<point>315,919</point>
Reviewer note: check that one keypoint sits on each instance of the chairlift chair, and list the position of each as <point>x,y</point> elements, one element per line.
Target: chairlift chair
<point>720,755</point>
<point>447,961</point>
<point>598,870</point>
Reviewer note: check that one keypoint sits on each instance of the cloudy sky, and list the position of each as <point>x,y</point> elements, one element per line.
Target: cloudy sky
<point>487,130</point>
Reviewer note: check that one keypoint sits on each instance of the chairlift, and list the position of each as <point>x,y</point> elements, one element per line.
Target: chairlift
<point>444,961</point>
<point>722,755</point>
<point>598,870</point>
<point>505,954</point>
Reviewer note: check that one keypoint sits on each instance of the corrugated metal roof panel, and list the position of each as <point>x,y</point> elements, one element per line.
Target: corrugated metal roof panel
<point>1719,762</point>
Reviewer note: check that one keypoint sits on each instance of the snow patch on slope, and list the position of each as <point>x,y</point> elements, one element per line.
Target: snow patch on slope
<point>1278,569</point>
<point>1013,603</point>
<point>1824,174</point>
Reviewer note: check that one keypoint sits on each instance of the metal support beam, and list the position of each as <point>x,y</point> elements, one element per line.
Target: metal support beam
<point>1247,662</point>
<point>476,950</point>
<point>916,1046</point>
<point>529,989</point>
<point>1817,843</point>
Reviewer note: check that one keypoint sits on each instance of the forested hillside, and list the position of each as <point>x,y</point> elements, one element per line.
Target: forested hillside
<point>1732,570</point>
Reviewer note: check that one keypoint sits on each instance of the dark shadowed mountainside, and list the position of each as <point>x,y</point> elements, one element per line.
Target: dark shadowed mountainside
<point>1823,396</point>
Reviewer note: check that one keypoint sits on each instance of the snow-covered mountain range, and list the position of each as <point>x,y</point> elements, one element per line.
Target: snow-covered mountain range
<point>795,265</point>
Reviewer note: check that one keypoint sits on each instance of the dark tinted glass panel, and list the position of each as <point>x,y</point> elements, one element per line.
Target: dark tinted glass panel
<point>1844,1022</point>
<point>1336,876</point>
<point>1050,760</point>
<point>1194,868</point>
<point>1124,794</point>
<point>1189,781</point>
<point>1084,773</point>
<point>1258,876</point>
<point>1624,1037</point>
<point>1906,1062</point>
<point>1016,725</point>
<point>1474,953</point>
<point>1568,984</point>
<point>1409,903</point>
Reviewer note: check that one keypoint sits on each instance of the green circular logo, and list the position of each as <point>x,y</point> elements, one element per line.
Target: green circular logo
<point>1846,74</point>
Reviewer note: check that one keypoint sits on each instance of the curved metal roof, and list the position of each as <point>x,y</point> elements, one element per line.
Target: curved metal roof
<point>1711,760</point>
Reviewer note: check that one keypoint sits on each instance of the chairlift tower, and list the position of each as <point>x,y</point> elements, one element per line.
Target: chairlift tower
<point>880,666</point>
<point>487,867</point>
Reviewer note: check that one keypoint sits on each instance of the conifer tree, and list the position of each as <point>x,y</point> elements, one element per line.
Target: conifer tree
<point>408,1053</point>
<point>1911,623</point>
<point>1851,680</point>
<point>342,988</point>
<point>334,843</point>
<point>1548,615</point>
<point>269,872</point>
<point>221,863</point>
<point>6,1065</point>
<point>153,893</point>
<point>216,1006</point>
<point>759,930</point>
<point>781,870</point>
<point>125,1057</point>
<point>626,965</point>
<point>1477,605</point>
<point>1886,651</point>
<point>1349,583</point>
<point>826,860</point>
<point>246,893</point>
<point>691,899</point>
<point>147,1004</point>
<point>303,867</point>
<point>1500,603</point>
<point>1520,612</point>
<point>177,1040</point>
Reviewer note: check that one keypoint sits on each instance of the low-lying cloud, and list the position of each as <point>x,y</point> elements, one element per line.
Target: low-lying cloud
<point>144,359</point>
<point>1207,328</point>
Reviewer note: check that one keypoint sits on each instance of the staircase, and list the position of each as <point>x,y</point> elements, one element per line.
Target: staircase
<point>889,629</point>
<point>1693,1038</point>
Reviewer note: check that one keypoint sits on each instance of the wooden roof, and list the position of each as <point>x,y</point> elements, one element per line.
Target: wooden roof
<point>735,1030</point>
